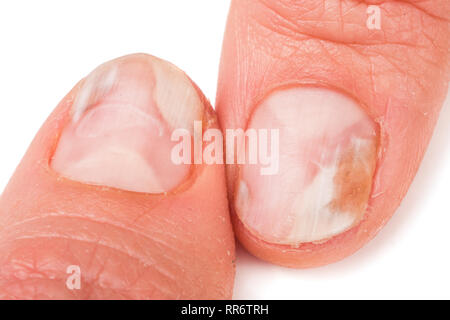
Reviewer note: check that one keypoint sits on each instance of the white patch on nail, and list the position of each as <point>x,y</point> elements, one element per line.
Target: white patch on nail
<point>115,117</point>
<point>242,197</point>
<point>96,85</point>
<point>176,97</point>
<point>122,118</point>
<point>327,161</point>
<point>116,161</point>
<point>312,218</point>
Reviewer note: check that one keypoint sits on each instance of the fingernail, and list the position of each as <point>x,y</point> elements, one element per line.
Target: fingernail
<point>121,125</point>
<point>328,152</point>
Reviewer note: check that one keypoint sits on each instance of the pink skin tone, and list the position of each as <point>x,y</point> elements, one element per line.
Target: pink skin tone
<point>128,244</point>
<point>398,77</point>
<point>160,231</point>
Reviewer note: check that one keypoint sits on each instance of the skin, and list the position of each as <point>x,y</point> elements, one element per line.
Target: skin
<point>180,244</point>
<point>129,245</point>
<point>398,75</point>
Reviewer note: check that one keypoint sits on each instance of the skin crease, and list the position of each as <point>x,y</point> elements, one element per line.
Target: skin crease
<point>129,245</point>
<point>399,76</point>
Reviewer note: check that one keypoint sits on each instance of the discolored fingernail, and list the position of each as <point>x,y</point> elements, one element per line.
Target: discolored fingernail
<point>327,158</point>
<point>121,123</point>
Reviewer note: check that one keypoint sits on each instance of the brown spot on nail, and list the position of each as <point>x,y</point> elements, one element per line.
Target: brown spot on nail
<point>353,180</point>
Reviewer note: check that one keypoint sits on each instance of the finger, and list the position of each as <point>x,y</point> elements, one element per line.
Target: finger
<point>355,108</point>
<point>97,190</point>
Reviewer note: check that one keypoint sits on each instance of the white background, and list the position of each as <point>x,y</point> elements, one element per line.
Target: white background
<point>47,46</point>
